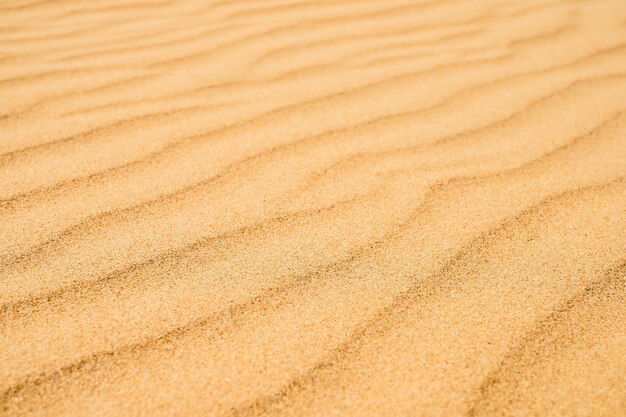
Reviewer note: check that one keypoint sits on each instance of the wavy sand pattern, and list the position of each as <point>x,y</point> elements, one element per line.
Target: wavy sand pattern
<point>291,208</point>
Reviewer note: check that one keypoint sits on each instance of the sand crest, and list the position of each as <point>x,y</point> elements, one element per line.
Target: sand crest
<point>291,208</point>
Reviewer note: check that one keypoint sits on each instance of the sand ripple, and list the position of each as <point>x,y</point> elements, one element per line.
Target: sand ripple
<point>280,207</point>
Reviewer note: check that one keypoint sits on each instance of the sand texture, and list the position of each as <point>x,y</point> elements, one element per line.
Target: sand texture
<point>313,208</point>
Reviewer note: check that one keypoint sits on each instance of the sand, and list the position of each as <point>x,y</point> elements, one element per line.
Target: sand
<point>291,208</point>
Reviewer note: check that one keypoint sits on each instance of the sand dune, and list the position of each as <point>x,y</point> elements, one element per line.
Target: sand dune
<point>290,208</point>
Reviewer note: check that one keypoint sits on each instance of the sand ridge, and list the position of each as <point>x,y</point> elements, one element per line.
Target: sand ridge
<point>342,207</point>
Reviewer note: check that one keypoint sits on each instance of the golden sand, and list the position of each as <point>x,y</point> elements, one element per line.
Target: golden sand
<point>291,208</point>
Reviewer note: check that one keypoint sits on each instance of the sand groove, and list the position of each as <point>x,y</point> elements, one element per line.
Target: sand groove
<point>343,207</point>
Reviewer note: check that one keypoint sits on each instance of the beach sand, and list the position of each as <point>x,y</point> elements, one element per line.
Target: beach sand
<point>291,208</point>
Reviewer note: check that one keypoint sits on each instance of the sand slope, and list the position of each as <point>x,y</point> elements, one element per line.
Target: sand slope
<point>290,208</point>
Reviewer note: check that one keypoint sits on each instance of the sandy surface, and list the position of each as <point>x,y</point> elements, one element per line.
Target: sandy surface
<point>290,208</point>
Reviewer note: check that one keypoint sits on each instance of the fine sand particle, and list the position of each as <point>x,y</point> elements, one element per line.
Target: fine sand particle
<point>292,208</point>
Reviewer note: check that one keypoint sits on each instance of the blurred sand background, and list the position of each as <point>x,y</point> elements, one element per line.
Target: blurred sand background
<point>292,208</point>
